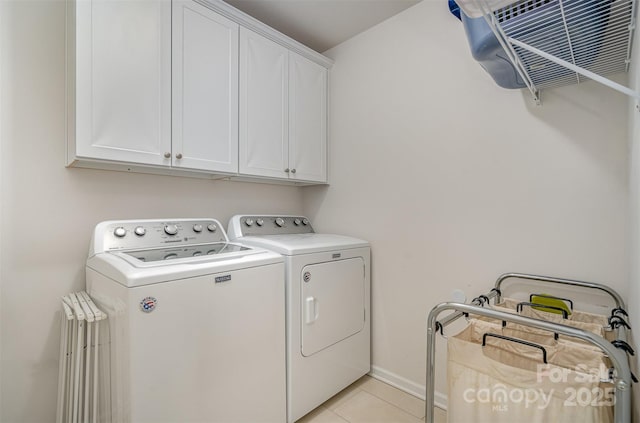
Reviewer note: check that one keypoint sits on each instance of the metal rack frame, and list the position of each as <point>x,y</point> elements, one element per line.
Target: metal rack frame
<point>534,47</point>
<point>591,285</point>
<point>619,359</point>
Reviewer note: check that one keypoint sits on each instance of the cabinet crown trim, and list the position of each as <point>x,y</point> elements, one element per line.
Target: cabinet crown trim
<point>255,25</point>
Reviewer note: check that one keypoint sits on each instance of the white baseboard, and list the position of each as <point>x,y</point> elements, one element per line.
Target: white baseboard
<point>407,385</point>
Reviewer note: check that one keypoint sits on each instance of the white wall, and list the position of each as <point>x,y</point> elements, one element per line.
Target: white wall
<point>2,126</point>
<point>455,180</point>
<point>48,211</point>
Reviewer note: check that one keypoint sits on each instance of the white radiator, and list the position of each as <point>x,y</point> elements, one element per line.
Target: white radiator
<point>79,383</point>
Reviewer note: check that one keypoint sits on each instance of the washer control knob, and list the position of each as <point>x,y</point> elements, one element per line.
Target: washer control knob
<point>260,222</point>
<point>297,221</point>
<point>305,221</point>
<point>248,222</point>
<point>212,227</point>
<point>280,221</point>
<point>197,228</point>
<point>170,229</point>
<point>140,231</point>
<point>120,232</point>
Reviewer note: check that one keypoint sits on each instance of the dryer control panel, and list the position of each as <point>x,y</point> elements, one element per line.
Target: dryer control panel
<point>243,225</point>
<point>139,234</point>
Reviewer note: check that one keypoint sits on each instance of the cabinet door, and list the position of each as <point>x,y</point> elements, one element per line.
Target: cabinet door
<point>205,89</point>
<point>123,80</point>
<point>307,119</point>
<point>263,106</point>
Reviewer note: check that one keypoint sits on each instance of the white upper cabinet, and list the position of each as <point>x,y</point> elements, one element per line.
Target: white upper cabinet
<point>283,112</point>
<point>193,88</point>
<point>205,89</point>
<point>307,119</point>
<point>122,86</point>
<point>264,105</point>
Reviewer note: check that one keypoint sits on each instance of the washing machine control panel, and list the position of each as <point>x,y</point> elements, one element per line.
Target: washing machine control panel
<point>274,225</point>
<point>139,234</point>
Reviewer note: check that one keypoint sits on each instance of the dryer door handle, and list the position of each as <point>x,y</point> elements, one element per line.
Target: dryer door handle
<point>312,310</point>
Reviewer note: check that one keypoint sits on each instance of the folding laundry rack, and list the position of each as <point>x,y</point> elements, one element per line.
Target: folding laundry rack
<point>79,367</point>
<point>616,350</point>
<point>561,42</point>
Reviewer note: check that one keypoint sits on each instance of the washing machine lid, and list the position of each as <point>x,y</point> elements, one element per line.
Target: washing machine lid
<point>294,244</point>
<point>140,257</point>
<point>128,270</point>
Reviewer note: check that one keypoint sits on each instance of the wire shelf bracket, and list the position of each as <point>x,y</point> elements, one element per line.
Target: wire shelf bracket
<point>554,43</point>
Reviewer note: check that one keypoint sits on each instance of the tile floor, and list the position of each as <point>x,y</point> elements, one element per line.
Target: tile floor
<point>370,401</point>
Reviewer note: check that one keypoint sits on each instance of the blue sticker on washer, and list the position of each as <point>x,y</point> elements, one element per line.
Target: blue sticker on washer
<point>148,304</point>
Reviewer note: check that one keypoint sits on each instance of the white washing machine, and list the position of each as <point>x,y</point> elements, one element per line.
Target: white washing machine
<point>197,324</point>
<point>328,305</point>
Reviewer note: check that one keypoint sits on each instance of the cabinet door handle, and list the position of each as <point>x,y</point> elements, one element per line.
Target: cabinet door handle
<point>167,155</point>
<point>293,171</point>
<point>178,156</point>
<point>287,170</point>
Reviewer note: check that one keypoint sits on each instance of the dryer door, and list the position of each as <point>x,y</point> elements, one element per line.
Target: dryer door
<point>332,303</point>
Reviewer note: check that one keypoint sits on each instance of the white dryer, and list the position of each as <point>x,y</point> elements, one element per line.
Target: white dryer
<point>328,305</point>
<point>196,323</point>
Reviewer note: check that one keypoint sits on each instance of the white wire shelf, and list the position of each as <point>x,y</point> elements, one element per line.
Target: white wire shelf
<point>554,43</point>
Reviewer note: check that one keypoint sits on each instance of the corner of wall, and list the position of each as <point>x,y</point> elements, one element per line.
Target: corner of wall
<point>2,129</point>
<point>634,206</point>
